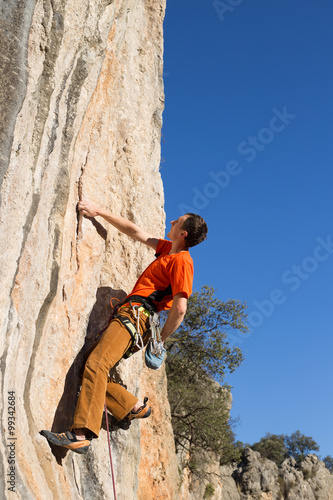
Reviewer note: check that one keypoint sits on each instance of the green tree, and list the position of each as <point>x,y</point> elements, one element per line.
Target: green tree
<point>299,446</point>
<point>273,447</point>
<point>232,451</point>
<point>201,342</point>
<point>279,447</point>
<point>199,355</point>
<point>328,461</point>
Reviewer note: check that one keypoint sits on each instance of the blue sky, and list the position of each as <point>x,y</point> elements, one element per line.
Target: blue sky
<point>247,144</point>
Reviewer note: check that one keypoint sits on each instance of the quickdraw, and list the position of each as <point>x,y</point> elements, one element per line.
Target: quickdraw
<point>156,344</point>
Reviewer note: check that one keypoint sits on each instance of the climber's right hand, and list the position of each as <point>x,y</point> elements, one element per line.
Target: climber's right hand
<point>88,208</point>
<point>123,225</point>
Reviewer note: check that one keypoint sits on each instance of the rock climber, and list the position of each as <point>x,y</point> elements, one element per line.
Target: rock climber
<point>166,284</point>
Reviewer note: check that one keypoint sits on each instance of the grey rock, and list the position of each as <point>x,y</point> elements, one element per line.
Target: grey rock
<point>260,478</point>
<point>229,487</point>
<point>256,475</point>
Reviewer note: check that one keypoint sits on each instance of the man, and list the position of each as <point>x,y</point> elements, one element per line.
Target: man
<point>165,284</point>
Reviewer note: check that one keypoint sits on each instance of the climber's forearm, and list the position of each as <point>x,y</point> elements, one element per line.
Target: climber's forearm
<point>175,317</point>
<point>123,225</point>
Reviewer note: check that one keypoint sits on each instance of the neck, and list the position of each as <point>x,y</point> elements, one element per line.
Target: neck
<point>177,246</point>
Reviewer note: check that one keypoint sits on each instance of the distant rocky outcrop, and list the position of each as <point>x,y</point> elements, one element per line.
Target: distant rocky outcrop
<point>258,478</point>
<point>81,101</point>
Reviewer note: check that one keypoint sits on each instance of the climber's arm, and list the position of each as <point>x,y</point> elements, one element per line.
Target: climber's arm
<point>176,315</point>
<point>123,225</point>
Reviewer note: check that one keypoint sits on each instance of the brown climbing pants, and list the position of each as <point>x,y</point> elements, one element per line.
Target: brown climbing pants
<point>96,388</point>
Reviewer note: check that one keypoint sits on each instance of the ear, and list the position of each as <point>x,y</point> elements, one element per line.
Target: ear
<point>184,234</point>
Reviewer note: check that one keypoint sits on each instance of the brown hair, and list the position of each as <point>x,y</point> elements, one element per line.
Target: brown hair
<point>196,228</point>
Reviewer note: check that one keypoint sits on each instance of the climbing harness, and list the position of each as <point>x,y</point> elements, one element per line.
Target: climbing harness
<point>138,341</point>
<point>155,352</point>
<point>109,443</point>
<point>148,308</point>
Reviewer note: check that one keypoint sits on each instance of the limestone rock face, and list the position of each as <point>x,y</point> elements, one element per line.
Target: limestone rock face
<point>310,481</point>
<point>229,487</point>
<point>81,105</point>
<point>257,477</point>
<point>193,488</point>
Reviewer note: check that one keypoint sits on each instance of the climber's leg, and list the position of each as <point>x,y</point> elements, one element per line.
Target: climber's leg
<point>110,349</point>
<point>88,415</point>
<point>117,398</point>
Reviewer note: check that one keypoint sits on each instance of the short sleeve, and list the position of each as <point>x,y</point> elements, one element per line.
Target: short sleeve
<point>163,246</point>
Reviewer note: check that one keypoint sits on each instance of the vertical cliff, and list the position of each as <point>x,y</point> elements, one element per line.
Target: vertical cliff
<point>81,105</point>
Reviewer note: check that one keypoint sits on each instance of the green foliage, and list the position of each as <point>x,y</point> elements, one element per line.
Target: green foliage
<point>279,447</point>
<point>328,461</point>
<point>201,340</point>
<point>273,447</point>
<point>198,356</point>
<point>199,412</point>
<point>299,446</point>
<point>232,451</point>
<point>209,491</point>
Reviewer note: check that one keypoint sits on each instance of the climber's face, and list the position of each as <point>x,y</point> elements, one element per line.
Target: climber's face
<point>176,231</point>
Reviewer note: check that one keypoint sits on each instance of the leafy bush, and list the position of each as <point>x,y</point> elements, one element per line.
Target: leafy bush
<point>299,446</point>
<point>273,447</point>
<point>209,491</point>
<point>328,461</point>
<point>279,447</point>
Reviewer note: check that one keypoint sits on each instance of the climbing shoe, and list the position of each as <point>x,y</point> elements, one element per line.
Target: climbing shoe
<point>67,440</point>
<point>143,412</point>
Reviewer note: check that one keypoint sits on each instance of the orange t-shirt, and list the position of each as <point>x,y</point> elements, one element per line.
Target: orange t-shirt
<point>170,273</point>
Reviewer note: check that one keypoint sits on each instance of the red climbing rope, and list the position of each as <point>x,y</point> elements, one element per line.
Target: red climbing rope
<point>108,434</point>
